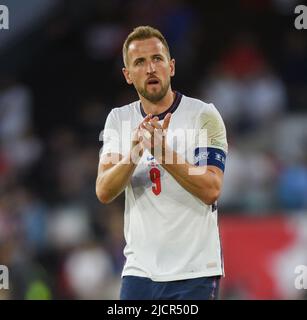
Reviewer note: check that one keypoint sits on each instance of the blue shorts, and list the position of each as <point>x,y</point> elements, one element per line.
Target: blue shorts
<point>140,288</point>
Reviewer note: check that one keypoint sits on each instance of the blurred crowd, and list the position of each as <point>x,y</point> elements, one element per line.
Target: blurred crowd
<point>58,241</point>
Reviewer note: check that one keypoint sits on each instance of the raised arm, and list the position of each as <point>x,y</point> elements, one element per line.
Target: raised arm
<point>115,170</point>
<point>113,178</point>
<point>205,181</point>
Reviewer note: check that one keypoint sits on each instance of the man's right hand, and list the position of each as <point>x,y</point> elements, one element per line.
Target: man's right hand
<point>137,149</point>
<point>112,178</point>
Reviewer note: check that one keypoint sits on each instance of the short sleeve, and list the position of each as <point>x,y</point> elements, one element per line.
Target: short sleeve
<point>212,145</point>
<point>111,135</point>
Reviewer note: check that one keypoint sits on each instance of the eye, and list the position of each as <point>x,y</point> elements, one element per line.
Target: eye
<point>158,58</point>
<point>139,62</point>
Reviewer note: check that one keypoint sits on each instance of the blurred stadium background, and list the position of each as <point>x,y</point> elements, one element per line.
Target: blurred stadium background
<point>60,75</point>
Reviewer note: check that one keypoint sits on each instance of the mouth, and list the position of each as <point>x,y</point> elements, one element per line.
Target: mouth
<point>152,81</point>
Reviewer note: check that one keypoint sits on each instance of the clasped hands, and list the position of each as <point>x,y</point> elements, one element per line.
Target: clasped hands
<point>151,135</point>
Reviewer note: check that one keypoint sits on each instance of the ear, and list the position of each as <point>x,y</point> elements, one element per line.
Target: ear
<point>172,66</point>
<point>127,75</point>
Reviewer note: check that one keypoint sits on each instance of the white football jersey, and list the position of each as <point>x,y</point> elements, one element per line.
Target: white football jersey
<point>170,234</point>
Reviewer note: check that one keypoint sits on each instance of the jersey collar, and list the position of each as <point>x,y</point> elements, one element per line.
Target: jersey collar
<point>171,109</point>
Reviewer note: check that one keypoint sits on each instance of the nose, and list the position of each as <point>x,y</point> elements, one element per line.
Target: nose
<point>150,67</point>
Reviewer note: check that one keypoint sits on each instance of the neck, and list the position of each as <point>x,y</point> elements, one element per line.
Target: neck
<point>159,106</point>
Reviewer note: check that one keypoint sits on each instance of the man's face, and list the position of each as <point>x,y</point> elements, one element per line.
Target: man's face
<point>149,68</point>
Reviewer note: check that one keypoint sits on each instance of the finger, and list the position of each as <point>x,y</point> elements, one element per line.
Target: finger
<point>166,121</point>
<point>155,124</point>
<point>146,134</point>
<point>148,117</point>
<point>148,126</point>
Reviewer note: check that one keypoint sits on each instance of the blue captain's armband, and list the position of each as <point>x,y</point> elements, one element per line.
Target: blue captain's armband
<point>210,157</point>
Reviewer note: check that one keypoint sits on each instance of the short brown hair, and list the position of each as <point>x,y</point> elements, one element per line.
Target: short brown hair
<point>143,33</point>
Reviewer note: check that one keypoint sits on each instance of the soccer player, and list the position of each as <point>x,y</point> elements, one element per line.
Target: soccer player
<point>173,248</point>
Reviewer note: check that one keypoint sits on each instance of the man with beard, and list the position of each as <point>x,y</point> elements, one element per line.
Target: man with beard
<point>171,169</point>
